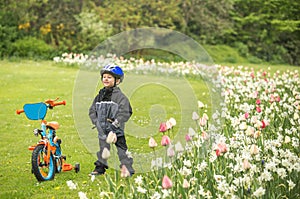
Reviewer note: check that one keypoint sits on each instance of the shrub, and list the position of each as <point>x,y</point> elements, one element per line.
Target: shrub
<point>31,47</point>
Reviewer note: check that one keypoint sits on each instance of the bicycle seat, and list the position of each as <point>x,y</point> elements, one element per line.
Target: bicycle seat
<point>54,125</point>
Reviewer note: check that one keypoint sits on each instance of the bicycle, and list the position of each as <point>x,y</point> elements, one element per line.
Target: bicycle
<point>47,158</point>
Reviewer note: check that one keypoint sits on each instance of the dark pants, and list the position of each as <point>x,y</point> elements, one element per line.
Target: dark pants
<point>101,164</point>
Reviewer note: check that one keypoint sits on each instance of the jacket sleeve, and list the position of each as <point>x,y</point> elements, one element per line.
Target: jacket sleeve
<point>125,110</point>
<point>93,111</point>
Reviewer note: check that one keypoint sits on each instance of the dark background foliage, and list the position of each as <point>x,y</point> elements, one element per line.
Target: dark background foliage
<point>258,30</point>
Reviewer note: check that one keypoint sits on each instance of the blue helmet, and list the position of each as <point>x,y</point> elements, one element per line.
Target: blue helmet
<point>114,70</point>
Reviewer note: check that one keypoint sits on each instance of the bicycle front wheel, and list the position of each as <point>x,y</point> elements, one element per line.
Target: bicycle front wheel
<point>42,169</point>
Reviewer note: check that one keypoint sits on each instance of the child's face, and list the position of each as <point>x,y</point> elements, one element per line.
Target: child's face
<point>108,80</point>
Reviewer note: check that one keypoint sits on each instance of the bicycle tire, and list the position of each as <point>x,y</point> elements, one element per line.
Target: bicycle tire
<point>41,170</point>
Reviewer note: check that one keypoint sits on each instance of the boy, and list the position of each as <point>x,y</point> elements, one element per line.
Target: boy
<point>109,112</point>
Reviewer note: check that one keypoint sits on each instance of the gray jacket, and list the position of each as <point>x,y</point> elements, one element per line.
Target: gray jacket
<point>103,113</point>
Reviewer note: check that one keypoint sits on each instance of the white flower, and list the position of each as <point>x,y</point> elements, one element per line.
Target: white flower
<point>156,163</point>
<point>172,121</point>
<point>166,193</point>
<point>291,184</point>
<point>111,138</point>
<point>187,163</point>
<point>195,116</point>
<point>179,147</point>
<point>259,192</point>
<point>105,153</point>
<point>192,132</point>
<point>93,178</point>
<point>156,195</point>
<point>138,180</point>
<point>82,195</point>
<point>141,190</point>
<point>71,184</point>
<point>185,171</point>
<point>200,104</point>
<point>281,172</point>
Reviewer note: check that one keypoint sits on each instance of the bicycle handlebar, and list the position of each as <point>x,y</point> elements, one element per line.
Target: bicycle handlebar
<point>51,103</point>
<point>19,111</point>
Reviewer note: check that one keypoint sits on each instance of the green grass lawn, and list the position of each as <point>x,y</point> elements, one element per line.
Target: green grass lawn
<point>28,82</point>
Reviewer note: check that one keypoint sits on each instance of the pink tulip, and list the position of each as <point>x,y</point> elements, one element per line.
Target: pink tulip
<point>166,182</point>
<point>221,148</point>
<point>258,101</point>
<point>124,172</point>
<point>188,138</point>
<point>258,109</point>
<point>204,135</point>
<point>246,115</point>
<point>165,140</point>
<point>163,127</point>
<point>202,121</point>
<point>246,164</point>
<point>170,151</point>
<point>185,184</point>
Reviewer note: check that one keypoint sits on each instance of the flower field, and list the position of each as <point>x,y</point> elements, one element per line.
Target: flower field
<point>253,153</point>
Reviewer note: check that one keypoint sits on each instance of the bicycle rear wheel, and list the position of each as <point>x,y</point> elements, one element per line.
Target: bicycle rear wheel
<point>42,170</point>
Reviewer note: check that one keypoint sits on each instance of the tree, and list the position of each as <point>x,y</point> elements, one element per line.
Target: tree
<point>268,28</point>
<point>207,21</point>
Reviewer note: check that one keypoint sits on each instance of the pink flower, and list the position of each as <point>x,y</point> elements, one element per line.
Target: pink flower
<point>188,138</point>
<point>258,109</point>
<point>246,115</point>
<point>258,101</point>
<point>165,140</point>
<point>163,127</point>
<point>185,184</point>
<point>124,172</point>
<point>166,182</point>
<point>254,149</point>
<point>221,148</point>
<point>202,121</point>
<point>170,151</point>
<point>152,143</point>
<point>204,135</point>
<point>246,164</point>
<point>263,124</point>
